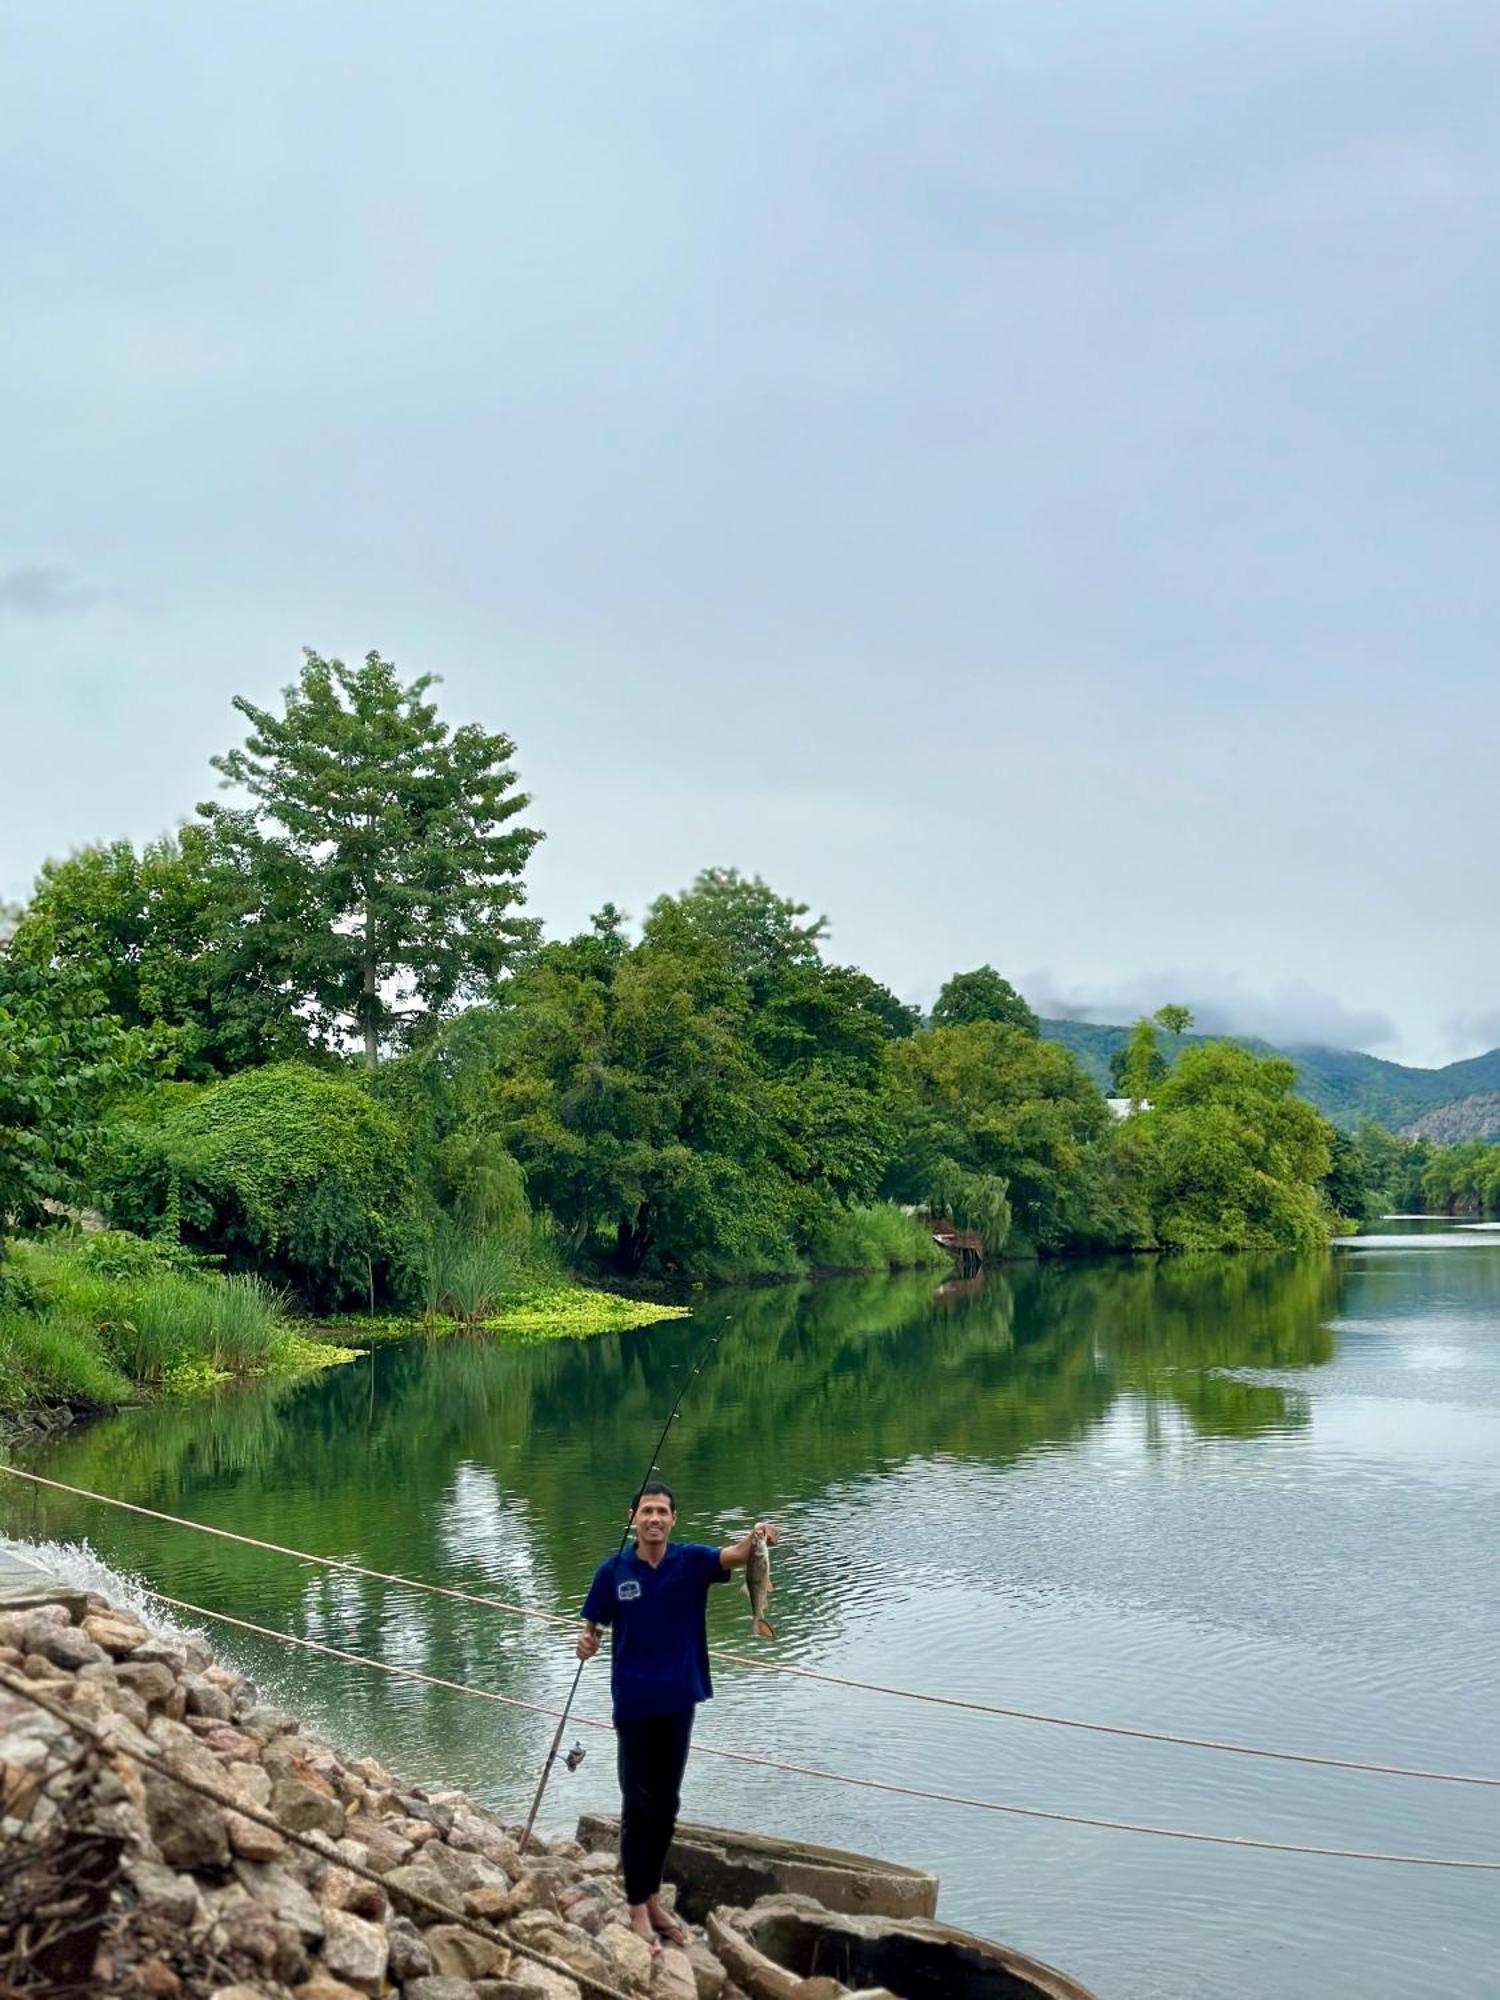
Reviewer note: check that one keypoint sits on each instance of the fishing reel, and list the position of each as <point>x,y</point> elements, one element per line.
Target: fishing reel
<point>575,1756</point>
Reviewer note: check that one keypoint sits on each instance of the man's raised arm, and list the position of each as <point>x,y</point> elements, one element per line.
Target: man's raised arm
<point>738,1553</point>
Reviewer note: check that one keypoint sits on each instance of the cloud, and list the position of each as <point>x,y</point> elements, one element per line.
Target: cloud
<point>1292,1014</point>
<point>45,590</point>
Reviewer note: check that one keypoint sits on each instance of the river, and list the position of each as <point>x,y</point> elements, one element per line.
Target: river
<point>1245,1499</point>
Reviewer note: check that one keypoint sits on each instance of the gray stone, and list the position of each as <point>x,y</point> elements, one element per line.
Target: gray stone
<point>283,1895</point>
<point>267,1722</point>
<point>354,1950</point>
<point>162,1892</point>
<point>440,1987</point>
<point>66,1646</point>
<point>416,1878</point>
<point>410,1959</point>
<point>189,1831</point>
<point>25,1585</point>
<point>302,1808</point>
<point>203,1698</point>
<point>162,1652</point>
<point>152,1680</point>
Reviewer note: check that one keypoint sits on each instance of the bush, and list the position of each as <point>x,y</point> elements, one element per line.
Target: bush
<point>878,1238</point>
<point>285,1171</point>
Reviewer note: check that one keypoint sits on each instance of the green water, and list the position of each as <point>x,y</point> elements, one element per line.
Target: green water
<point>1239,1498</point>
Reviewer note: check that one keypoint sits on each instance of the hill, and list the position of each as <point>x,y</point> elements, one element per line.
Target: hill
<point>1345,1084</point>
<point>1476,1117</point>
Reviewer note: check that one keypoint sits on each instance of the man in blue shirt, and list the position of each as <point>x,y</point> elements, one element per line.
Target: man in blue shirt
<point>654,1599</point>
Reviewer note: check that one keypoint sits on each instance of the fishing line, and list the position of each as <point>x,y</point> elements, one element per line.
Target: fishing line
<point>562,1720</point>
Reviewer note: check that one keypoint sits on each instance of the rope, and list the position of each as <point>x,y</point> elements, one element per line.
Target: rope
<point>781,1666</point>
<point>844,1777</point>
<point>104,1742</point>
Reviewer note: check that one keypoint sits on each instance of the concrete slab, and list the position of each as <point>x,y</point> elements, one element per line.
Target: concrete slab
<point>24,1585</point>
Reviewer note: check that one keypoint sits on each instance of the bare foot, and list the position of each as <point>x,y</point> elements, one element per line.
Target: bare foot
<point>664,1923</point>
<point>641,1924</point>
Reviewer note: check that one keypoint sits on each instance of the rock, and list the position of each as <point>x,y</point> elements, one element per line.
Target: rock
<point>237,1993</point>
<point>820,1987</point>
<point>673,1977</point>
<point>461,1955</point>
<point>410,1959</point>
<point>601,1862</point>
<point>157,1980</point>
<point>355,1950</point>
<point>117,1635</point>
<point>204,1698</point>
<point>322,1986</point>
<point>251,1841</point>
<point>546,1932</point>
<point>150,1679</point>
<point>535,1982</point>
<point>268,1723</point>
<point>248,1782</point>
<point>417,1879</point>
<point>171,1899</point>
<point>343,1890</point>
<point>66,1646</point>
<point>249,1930</point>
<point>189,1831</point>
<point>440,1987</point>
<point>630,1953</point>
<point>384,1848</point>
<point>161,1651</point>
<point>304,1808</point>
<point>284,1896</point>
<point>709,1976</point>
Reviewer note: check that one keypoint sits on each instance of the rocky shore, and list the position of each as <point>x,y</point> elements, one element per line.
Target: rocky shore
<point>165,1834</point>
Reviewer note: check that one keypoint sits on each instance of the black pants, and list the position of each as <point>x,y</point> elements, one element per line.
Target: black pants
<point>652,1756</point>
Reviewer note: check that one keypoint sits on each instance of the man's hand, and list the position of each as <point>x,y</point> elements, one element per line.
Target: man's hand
<point>765,1531</point>
<point>588,1642</point>
<point>738,1553</point>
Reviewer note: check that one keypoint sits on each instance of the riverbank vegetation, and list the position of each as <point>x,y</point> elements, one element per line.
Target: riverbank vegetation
<point>309,1043</point>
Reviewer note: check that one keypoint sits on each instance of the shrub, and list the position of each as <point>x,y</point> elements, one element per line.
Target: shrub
<point>285,1171</point>
<point>877,1238</point>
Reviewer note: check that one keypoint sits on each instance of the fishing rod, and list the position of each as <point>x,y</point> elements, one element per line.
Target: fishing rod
<point>562,1720</point>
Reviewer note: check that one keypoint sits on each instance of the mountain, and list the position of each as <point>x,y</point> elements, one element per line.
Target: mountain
<point>1345,1084</point>
<point>1476,1117</point>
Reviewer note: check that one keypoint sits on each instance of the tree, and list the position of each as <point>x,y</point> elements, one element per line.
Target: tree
<point>63,1056</point>
<point>988,1099</point>
<point>1175,1019</point>
<point>762,933</point>
<point>982,995</point>
<point>285,1170</point>
<point>1230,1158</point>
<point>380,845</point>
<point>1136,1068</point>
<point>162,935</point>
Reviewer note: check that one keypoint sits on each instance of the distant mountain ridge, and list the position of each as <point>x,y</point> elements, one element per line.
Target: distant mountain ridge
<point>1345,1084</point>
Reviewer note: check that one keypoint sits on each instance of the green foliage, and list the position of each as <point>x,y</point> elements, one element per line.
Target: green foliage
<point>992,1101</point>
<point>1228,1158</point>
<point>1137,1068</point>
<point>286,1171</point>
<point>55,1358</point>
<point>761,933</point>
<point>384,867</point>
<point>873,1238</point>
<point>1460,1180</point>
<point>62,1059</point>
<point>162,936</point>
<point>982,995</point>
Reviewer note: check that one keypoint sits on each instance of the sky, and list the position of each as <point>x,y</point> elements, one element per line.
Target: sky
<point>1021,478</point>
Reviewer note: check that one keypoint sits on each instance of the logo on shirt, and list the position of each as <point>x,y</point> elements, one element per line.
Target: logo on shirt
<point>628,1590</point>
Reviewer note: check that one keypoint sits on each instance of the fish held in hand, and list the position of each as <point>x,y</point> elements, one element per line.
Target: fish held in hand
<point>758,1588</point>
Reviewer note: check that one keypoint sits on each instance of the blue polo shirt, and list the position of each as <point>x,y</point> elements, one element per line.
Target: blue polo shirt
<point>659,1621</point>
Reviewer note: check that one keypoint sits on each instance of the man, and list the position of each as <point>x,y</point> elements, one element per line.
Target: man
<point>654,1598</point>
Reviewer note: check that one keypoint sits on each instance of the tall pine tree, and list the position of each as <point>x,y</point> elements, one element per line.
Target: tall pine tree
<point>381,846</point>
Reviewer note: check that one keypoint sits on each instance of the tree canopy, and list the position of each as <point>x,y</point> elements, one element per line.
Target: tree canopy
<point>982,995</point>
<point>384,866</point>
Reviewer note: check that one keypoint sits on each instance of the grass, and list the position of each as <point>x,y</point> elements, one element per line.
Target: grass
<point>549,1309</point>
<point>99,1317</point>
<point>877,1238</point>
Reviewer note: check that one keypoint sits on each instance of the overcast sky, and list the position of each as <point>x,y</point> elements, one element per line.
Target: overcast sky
<point>1021,477</point>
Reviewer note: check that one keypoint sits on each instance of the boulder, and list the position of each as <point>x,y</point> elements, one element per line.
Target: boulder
<point>167,1897</point>
<point>631,1954</point>
<point>305,1808</point>
<point>674,1978</point>
<point>409,1957</point>
<point>460,1954</point>
<point>417,1879</point>
<point>546,1932</point>
<point>440,1986</point>
<point>355,1950</point>
<point>189,1831</point>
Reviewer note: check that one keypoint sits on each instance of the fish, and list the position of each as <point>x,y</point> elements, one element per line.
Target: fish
<point>758,1589</point>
